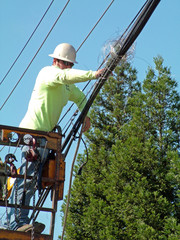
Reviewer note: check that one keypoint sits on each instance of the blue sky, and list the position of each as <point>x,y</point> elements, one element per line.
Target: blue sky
<point>18,19</point>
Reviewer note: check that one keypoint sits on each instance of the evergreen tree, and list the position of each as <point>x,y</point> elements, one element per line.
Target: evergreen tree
<point>130,187</point>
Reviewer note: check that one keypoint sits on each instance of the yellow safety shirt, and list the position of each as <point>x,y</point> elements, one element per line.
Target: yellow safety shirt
<point>54,87</point>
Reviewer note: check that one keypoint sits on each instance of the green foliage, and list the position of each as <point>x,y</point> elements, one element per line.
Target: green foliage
<point>130,187</point>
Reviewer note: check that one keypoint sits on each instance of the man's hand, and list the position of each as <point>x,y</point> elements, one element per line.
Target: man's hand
<point>99,72</point>
<point>86,124</point>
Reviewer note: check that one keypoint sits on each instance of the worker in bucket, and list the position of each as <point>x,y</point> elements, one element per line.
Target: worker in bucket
<point>54,87</point>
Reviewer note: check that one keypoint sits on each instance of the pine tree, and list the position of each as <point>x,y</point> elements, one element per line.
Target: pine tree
<point>129,189</point>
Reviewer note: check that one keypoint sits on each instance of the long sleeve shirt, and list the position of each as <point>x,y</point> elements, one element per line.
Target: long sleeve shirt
<point>54,87</point>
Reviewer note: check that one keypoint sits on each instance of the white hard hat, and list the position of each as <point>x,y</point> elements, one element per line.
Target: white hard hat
<point>66,52</point>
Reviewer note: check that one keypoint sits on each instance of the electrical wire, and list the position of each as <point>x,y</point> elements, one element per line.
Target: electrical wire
<point>34,55</point>
<point>126,30</point>
<point>43,44</point>
<point>95,25</point>
<point>130,38</point>
<point>79,49</point>
<point>121,50</point>
<point>70,184</point>
<point>106,57</point>
<point>26,43</point>
<point>87,155</point>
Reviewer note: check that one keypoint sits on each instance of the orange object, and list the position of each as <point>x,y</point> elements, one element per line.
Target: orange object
<point>49,172</point>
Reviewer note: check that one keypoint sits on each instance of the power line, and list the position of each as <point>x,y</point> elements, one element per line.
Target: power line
<point>35,55</point>
<point>95,25</point>
<point>44,42</point>
<point>79,49</point>
<point>123,47</point>
<point>26,43</point>
<point>105,59</point>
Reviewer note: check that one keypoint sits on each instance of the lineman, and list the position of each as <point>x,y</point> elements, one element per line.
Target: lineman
<point>54,87</point>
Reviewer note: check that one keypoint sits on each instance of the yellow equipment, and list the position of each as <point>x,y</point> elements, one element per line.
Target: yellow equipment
<point>53,176</point>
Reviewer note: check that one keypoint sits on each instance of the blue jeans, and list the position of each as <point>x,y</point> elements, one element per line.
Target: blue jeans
<point>12,222</point>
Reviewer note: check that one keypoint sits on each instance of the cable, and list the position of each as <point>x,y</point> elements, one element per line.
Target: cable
<point>34,55</point>
<point>70,183</point>
<point>121,50</point>
<point>95,25</point>
<point>42,45</point>
<point>126,30</point>
<point>26,43</point>
<point>81,167</point>
<point>79,49</point>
